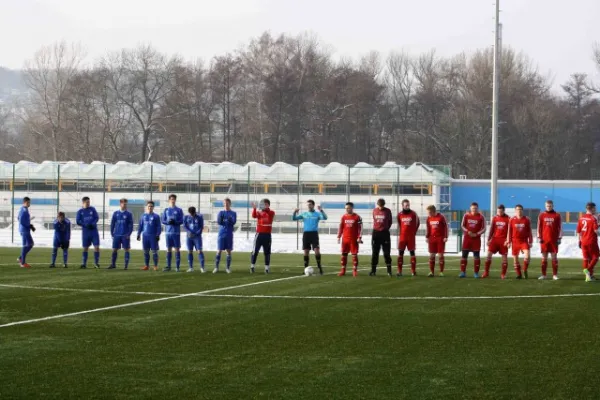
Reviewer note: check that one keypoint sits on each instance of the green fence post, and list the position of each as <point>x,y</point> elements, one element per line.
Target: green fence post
<point>199,185</point>
<point>58,189</point>
<point>103,200</point>
<point>12,239</point>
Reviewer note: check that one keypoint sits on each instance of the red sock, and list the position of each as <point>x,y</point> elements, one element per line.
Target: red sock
<point>505,267</point>
<point>544,267</point>
<point>585,264</point>
<point>442,262</point>
<point>432,264</point>
<point>344,261</point>
<point>488,264</point>
<point>526,264</point>
<point>354,261</point>
<point>477,263</point>
<point>463,265</point>
<point>400,262</point>
<point>554,267</point>
<point>413,264</point>
<point>592,265</point>
<point>518,269</point>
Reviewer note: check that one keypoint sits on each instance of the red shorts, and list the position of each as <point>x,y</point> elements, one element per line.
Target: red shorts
<point>471,243</point>
<point>407,243</point>
<point>498,246</point>
<point>590,250</point>
<point>349,246</point>
<point>437,246</point>
<point>549,247</point>
<point>518,246</point>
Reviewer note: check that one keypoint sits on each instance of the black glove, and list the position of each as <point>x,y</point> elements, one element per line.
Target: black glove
<point>541,241</point>
<point>558,242</point>
<point>171,222</point>
<point>32,228</point>
<point>139,238</point>
<point>191,235</point>
<point>158,238</point>
<point>90,226</point>
<point>580,244</point>
<point>65,245</point>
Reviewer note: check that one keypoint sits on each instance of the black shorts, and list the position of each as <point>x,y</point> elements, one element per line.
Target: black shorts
<point>310,240</point>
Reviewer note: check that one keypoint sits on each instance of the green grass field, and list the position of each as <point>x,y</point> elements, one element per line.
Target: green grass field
<point>284,336</point>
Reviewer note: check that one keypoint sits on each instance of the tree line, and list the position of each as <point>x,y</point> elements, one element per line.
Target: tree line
<point>287,98</point>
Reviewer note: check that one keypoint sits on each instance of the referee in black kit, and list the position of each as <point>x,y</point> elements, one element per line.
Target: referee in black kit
<point>382,222</point>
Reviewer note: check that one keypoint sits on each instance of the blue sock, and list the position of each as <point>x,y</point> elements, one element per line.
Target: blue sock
<point>169,258</point>
<point>84,257</point>
<point>127,259</point>
<point>201,258</point>
<point>177,259</point>
<point>191,260</point>
<point>146,258</point>
<point>65,256</point>
<point>217,260</point>
<point>96,257</point>
<point>114,258</point>
<point>228,261</point>
<point>24,252</point>
<point>54,254</point>
<point>155,258</point>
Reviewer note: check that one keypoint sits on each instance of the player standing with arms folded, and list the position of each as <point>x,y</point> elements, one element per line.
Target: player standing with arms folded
<point>350,236</point>
<point>587,232</point>
<point>473,226</point>
<point>264,226</point>
<point>194,225</point>
<point>62,238</point>
<point>436,238</point>
<point>310,236</point>
<point>25,229</point>
<point>121,228</point>
<point>497,240</point>
<point>520,238</point>
<point>408,225</point>
<point>149,230</point>
<point>381,239</point>
<point>226,219</point>
<point>549,234</point>
<point>87,218</point>
<point>172,218</point>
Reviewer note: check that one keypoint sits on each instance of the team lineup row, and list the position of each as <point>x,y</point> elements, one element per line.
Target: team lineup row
<point>504,233</point>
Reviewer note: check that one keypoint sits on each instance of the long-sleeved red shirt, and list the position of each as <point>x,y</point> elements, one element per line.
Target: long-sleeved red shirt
<point>408,224</point>
<point>382,219</point>
<point>264,220</point>
<point>519,230</point>
<point>437,228</point>
<point>549,226</point>
<point>350,227</point>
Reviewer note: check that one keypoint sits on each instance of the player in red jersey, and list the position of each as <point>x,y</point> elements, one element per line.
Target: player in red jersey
<point>549,234</point>
<point>520,238</point>
<point>587,232</point>
<point>473,226</point>
<point>350,236</point>
<point>408,224</point>
<point>497,240</point>
<point>436,237</point>
<point>264,226</point>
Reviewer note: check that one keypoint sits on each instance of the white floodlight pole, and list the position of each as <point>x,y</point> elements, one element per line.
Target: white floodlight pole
<point>496,90</point>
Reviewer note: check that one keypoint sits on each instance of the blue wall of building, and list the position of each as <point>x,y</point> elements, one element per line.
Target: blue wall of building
<point>530,195</point>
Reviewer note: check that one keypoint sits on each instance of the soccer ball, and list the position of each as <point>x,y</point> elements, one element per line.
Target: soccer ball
<point>309,271</point>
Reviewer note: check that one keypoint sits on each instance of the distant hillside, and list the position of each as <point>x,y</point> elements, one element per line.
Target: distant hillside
<point>10,79</point>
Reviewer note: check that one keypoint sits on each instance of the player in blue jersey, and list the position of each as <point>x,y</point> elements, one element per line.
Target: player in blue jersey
<point>310,237</point>
<point>194,225</point>
<point>149,230</point>
<point>62,238</point>
<point>226,219</point>
<point>172,218</point>
<point>121,228</point>
<point>25,229</point>
<point>87,218</point>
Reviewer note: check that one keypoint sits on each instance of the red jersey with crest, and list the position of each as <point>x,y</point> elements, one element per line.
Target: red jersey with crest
<point>408,224</point>
<point>474,223</point>
<point>350,227</point>
<point>549,226</point>
<point>264,220</point>
<point>499,227</point>
<point>437,228</point>
<point>587,227</point>
<point>519,230</point>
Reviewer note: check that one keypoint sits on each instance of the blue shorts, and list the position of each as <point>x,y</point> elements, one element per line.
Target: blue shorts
<point>90,238</point>
<point>149,243</point>
<point>174,240</point>
<point>27,239</point>
<point>121,242</point>
<point>60,243</point>
<point>194,243</point>
<point>225,242</point>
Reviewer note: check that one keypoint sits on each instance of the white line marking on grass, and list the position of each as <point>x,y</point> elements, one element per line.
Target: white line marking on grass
<point>137,303</point>
<point>533,296</point>
<point>83,290</point>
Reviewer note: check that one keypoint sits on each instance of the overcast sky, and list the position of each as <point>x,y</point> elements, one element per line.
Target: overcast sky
<point>557,34</point>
